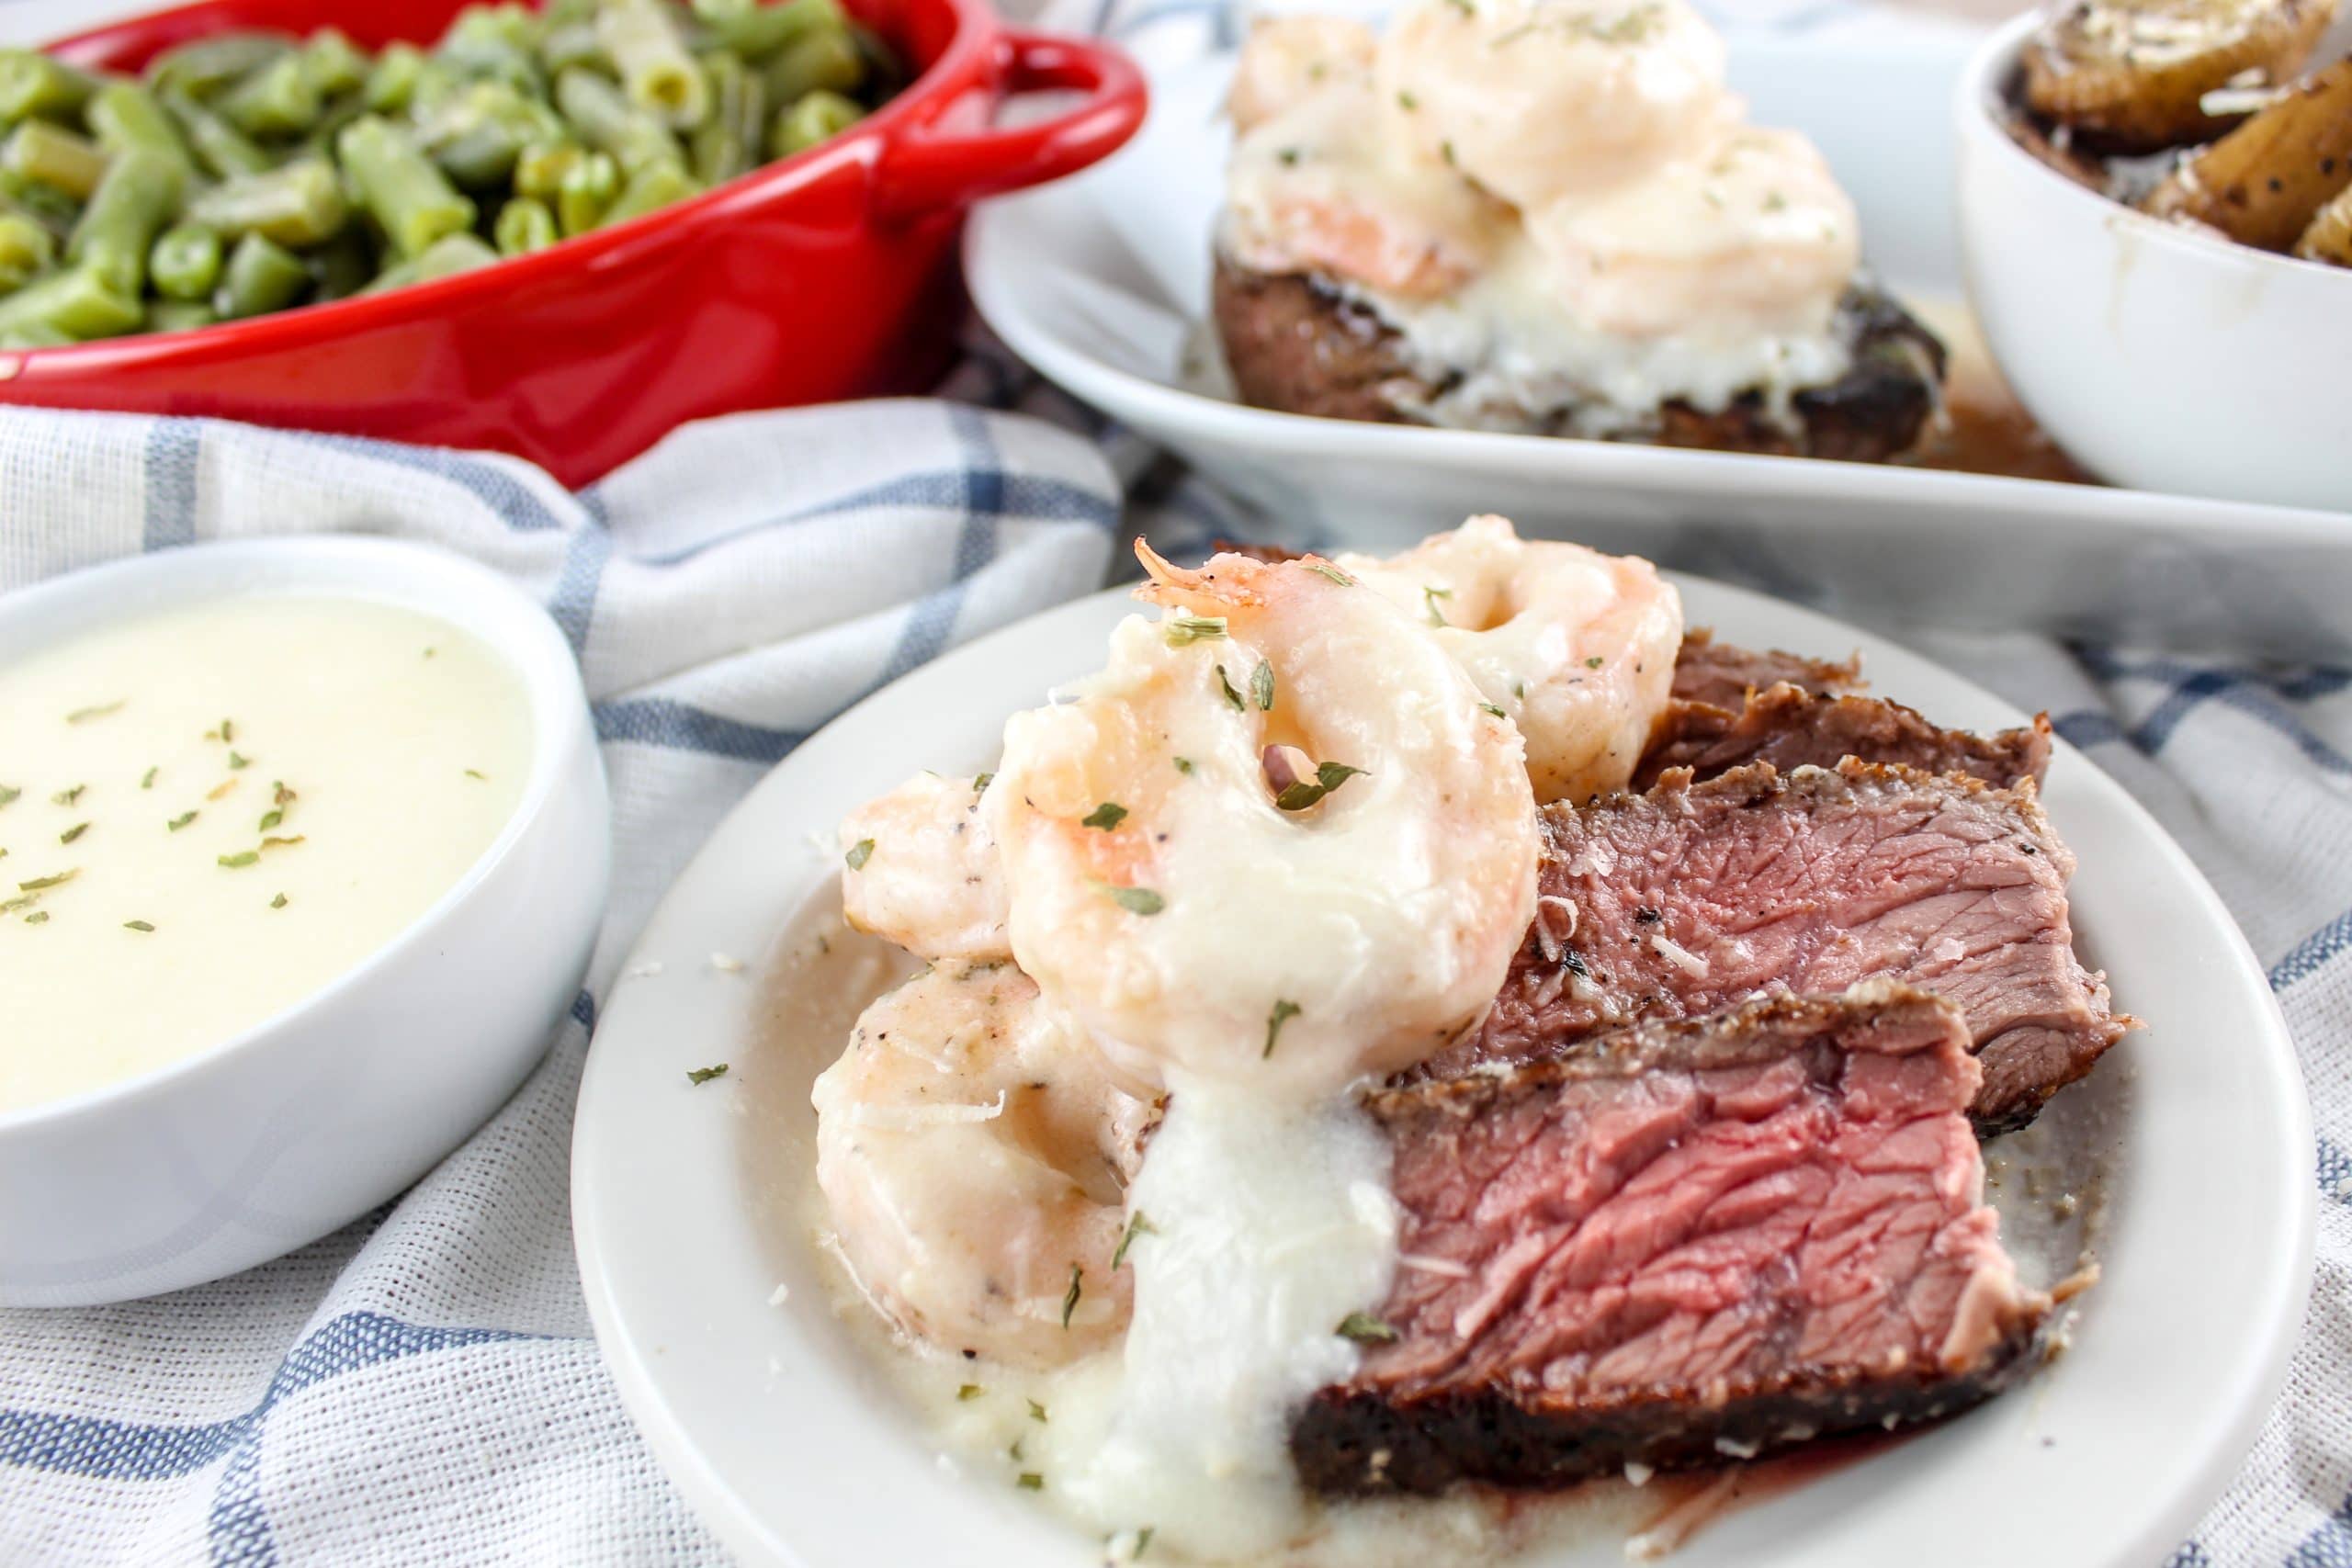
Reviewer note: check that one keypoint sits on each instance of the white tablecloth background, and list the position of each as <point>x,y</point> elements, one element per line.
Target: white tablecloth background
<point>422,1386</point>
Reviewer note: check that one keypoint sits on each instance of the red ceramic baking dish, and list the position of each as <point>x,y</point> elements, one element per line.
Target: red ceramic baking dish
<point>828,276</point>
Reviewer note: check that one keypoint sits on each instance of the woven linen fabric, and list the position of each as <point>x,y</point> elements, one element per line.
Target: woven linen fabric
<point>421,1387</point>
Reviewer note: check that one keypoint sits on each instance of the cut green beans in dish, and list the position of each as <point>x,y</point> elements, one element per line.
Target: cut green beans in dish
<point>251,171</point>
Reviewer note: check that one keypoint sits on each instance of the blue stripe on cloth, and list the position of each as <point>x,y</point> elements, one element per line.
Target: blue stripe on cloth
<point>2335,1171</point>
<point>661,721</point>
<point>2329,1546</point>
<point>573,605</point>
<point>2307,955</point>
<point>488,482</point>
<point>124,1451</point>
<point>583,1012</point>
<point>170,483</point>
<point>2188,1555</point>
<point>932,619</point>
<point>2087,727</point>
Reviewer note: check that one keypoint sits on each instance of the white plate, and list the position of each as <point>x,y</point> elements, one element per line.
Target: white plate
<point>787,1438</point>
<point>1100,280</point>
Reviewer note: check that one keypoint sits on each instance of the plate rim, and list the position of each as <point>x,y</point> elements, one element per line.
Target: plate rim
<point>2256,1376</point>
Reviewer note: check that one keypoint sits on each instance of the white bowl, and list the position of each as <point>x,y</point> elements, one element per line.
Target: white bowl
<point>2163,357</point>
<point>309,1119</point>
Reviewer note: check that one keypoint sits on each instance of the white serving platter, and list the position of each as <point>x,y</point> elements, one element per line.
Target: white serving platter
<point>789,1438</point>
<point>1101,282</point>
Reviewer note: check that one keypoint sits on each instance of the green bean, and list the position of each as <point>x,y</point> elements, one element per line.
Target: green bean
<point>649,189</point>
<point>343,265</point>
<point>436,81</point>
<point>588,188</point>
<point>728,144</point>
<point>475,136</point>
<point>333,63</point>
<point>123,114</point>
<point>574,45</point>
<point>26,245</point>
<point>211,65</point>
<point>185,262</point>
<point>52,208</point>
<point>391,80</point>
<point>452,254</point>
<point>608,123</point>
<point>179,315</point>
<point>411,198</point>
<point>139,196</point>
<point>55,157</point>
<point>540,170</point>
<point>756,30</point>
<point>278,99</point>
<point>657,72</point>
<point>297,204</point>
<point>818,117</point>
<point>261,276</point>
<point>822,61</point>
<point>512,26</point>
<point>221,147</point>
<point>75,302</point>
<point>563,13</point>
<point>524,225</point>
<point>33,84</point>
<point>35,334</point>
<point>319,141</point>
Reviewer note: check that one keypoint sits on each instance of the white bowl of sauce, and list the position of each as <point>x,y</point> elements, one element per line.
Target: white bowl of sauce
<point>303,848</point>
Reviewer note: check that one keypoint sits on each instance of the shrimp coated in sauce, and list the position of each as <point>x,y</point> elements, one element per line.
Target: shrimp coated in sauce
<point>921,870</point>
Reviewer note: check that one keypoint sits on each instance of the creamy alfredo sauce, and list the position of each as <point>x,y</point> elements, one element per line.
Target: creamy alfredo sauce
<point>213,812</point>
<point>1555,203</point>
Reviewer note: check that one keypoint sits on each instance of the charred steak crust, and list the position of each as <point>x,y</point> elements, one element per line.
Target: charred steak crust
<point>1696,1239</point>
<point>1687,898</point>
<point>1297,345</point>
<point>1789,728</point>
<point>1721,674</point>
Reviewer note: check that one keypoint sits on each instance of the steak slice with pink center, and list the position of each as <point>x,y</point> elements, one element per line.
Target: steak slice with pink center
<point>1693,1240</point>
<point>1692,897</point>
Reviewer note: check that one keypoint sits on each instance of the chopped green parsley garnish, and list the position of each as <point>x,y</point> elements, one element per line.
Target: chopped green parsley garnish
<point>238,760</point>
<point>1077,1289</point>
<point>148,780</point>
<point>1143,1543</point>
<point>137,926</point>
<point>1364,1329</point>
<point>1226,687</point>
<point>1031,1482</point>
<point>1304,793</point>
<point>1134,901</point>
<point>1137,1224</point>
<point>38,918</point>
<point>280,843</point>
<point>1283,1012</point>
<point>704,1075</point>
<point>1325,569</point>
<point>1261,686</point>
<point>476,773</point>
<point>278,902</point>
<point>1429,596</point>
<point>38,883</point>
<point>859,854</point>
<point>73,833</point>
<point>242,858</point>
<point>981,784</point>
<point>182,821</point>
<point>67,797</point>
<point>1491,708</point>
<point>278,793</point>
<point>7,795</point>
<point>1108,815</point>
<point>1595,663</point>
<point>969,1392</point>
<point>1183,764</point>
<point>1407,102</point>
<point>271,818</point>
<point>1183,630</point>
<point>1036,1411</point>
<point>83,715</point>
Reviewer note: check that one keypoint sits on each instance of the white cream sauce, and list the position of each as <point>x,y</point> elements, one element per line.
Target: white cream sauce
<point>382,749</point>
<point>1557,206</point>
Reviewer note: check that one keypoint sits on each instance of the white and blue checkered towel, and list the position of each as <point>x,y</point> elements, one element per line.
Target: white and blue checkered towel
<point>421,1387</point>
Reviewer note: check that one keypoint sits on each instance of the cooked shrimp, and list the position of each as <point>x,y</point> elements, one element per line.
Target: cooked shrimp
<point>1752,238</point>
<point>973,1152</point>
<point>1284,59</point>
<point>1578,647</point>
<point>921,870</point>
<point>1200,925</point>
<point>1315,188</point>
<point>1539,99</point>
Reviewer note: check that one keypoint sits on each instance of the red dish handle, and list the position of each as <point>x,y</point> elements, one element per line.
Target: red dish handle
<point>930,167</point>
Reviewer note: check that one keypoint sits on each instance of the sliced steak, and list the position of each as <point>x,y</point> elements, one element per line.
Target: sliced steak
<point>1693,896</point>
<point>1721,674</point>
<point>1789,728</point>
<point>1694,1240</point>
